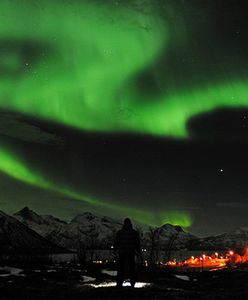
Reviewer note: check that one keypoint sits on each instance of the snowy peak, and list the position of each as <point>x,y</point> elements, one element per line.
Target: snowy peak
<point>174,229</point>
<point>53,220</point>
<point>239,231</point>
<point>237,238</point>
<point>87,226</point>
<point>45,225</point>
<point>170,236</point>
<point>84,218</point>
<point>84,227</point>
<point>29,215</point>
<point>99,231</point>
<point>88,218</point>
<point>17,238</point>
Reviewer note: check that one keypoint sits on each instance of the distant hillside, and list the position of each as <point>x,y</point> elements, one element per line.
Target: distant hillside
<point>85,230</point>
<point>16,238</point>
<point>237,238</point>
<point>91,231</point>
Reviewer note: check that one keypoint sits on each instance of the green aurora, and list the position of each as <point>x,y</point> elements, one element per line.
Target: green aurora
<point>15,168</point>
<point>84,76</point>
<point>81,74</point>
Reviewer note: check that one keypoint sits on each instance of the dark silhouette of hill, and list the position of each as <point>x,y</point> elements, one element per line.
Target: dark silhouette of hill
<point>16,238</point>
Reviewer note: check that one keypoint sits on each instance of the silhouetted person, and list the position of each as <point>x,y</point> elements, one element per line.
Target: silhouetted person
<point>127,244</point>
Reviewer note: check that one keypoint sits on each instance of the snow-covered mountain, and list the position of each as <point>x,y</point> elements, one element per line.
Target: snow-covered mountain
<point>17,238</point>
<point>175,237</point>
<point>237,238</point>
<point>44,225</point>
<point>89,231</point>
<point>168,237</point>
<point>85,230</point>
<point>104,228</point>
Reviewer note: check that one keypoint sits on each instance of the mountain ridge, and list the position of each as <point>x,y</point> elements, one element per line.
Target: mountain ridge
<point>17,238</point>
<point>87,230</point>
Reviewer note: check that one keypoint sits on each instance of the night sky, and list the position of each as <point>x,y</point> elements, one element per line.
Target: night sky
<point>126,108</point>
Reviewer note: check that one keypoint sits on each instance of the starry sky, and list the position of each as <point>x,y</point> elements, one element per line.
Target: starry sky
<point>132,108</point>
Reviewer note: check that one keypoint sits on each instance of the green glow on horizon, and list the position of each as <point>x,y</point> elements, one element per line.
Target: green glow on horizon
<point>176,218</point>
<point>15,168</point>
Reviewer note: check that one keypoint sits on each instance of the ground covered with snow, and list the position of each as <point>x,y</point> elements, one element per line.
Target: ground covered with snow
<point>95,282</point>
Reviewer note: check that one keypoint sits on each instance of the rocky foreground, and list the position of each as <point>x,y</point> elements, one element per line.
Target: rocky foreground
<point>67,282</point>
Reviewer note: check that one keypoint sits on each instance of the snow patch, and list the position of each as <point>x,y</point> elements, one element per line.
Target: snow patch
<point>88,278</point>
<point>138,285</point>
<point>183,277</point>
<point>109,272</point>
<point>10,271</point>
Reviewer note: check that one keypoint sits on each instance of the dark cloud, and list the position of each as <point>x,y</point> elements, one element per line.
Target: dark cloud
<point>223,124</point>
<point>15,126</point>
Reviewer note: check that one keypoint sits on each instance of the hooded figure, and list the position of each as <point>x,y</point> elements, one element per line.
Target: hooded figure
<point>127,244</point>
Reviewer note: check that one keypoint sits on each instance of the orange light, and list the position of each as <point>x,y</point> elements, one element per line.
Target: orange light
<point>214,261</point>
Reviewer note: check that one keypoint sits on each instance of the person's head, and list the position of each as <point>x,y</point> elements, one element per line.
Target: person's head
<point>127,224</point>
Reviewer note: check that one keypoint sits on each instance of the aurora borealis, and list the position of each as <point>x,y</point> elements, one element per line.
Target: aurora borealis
<point>138,71</point>
<point>17,169</point>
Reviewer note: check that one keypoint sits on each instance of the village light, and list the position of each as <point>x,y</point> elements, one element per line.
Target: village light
<point>97,262</point>
<point>214,261</point>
